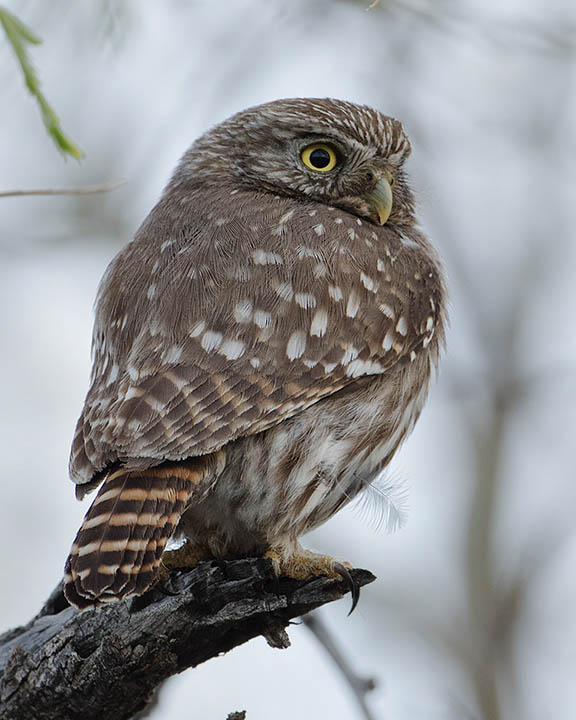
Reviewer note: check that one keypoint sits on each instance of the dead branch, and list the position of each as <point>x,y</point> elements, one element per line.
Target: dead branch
<point>105,663</point>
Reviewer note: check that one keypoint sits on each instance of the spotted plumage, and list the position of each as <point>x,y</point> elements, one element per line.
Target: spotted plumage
<point>261,348</point>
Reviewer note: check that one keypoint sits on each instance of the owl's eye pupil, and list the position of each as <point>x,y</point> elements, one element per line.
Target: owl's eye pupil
<point>320,158</point>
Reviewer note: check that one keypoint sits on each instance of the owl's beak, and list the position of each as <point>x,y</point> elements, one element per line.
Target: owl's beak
<point>380,200</point>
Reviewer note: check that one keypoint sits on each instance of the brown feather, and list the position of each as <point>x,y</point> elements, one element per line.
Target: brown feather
<point>117,550</point>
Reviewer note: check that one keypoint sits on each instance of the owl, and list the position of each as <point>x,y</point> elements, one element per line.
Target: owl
<point>261,348</point>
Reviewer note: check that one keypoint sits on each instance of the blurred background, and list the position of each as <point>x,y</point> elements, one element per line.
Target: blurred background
<point>473,614</point>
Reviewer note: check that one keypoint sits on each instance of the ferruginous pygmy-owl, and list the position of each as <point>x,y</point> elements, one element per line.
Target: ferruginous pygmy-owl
<point>261,348</point>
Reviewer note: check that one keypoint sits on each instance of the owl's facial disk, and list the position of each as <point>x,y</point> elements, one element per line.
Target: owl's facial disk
<point>365,190</point>
<point>326,168</point>
<point>328,151</point>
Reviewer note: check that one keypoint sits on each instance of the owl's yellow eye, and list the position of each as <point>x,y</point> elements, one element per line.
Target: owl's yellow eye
<point>319,156</point>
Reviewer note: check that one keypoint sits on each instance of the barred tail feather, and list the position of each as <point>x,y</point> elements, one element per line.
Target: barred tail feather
<point>118,548</point>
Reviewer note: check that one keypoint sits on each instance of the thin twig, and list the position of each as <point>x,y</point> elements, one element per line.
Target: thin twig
<point>360,686</point>
<point>81,190</point>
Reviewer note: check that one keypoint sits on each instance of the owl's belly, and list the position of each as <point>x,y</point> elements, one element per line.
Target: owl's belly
<point>286,481</point>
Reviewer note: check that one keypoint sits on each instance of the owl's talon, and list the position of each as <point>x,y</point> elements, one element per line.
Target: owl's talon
<point>300,564</point>
<point>344,573</point>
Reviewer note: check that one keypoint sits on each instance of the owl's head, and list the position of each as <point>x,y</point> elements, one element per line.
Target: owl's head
<point>324,150</point>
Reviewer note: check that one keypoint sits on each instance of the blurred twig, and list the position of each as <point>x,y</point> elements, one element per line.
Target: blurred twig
<point>81,190</point>
<point>360,686</point>
<point>18,36</point>
<point>457,16</point>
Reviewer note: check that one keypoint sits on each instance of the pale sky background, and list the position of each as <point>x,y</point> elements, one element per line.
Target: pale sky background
<point>478,589</point>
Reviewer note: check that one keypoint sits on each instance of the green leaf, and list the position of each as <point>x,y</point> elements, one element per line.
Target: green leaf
<point>18,36</point>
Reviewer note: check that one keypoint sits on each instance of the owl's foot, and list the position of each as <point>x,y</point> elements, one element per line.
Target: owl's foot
<point>186,556</point>
<point>302,564</point>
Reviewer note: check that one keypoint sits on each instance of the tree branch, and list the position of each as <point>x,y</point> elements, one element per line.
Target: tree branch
<point>360,686</point>
<point>105,663</point>
<point>80,190</point>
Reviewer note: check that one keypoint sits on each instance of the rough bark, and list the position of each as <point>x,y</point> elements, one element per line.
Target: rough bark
<point>105,663</point>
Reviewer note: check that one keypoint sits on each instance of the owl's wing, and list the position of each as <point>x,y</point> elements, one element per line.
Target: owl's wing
<point>208,336</point>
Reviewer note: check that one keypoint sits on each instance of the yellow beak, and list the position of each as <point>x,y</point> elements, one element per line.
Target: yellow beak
<point>380,200</point>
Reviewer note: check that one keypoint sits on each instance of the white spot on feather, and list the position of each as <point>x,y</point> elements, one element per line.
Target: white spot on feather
<point>133,392</point>
<point>402,326</point>
<point>352,305</point>
<point>211,340</point>
<point>232,349</point>
<point>387,310</point>
<point>197,329</point>
<point>305,300</point>
<point>356,368</point>
<point>113,374</point>
<point>304,252</point>
<point>296,345</point>
<point>368,283</point>
<point>388,341</point>
<point>319,323</point>
<point>408,241</point>
<point>350,353</point>
<point>243,311</point>
<point>285,291</point>
<point>151,291</point>
<point>263,257</point>
<point>262,318</point>
<point>319,229</point>
<point>172,355</point>
<point>335,293</point>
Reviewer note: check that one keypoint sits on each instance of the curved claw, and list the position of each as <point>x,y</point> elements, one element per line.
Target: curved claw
<point>344,573</point>
<point>275,577</point>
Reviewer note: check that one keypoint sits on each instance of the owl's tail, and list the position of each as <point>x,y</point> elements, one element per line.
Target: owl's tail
<point>117,550</point>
